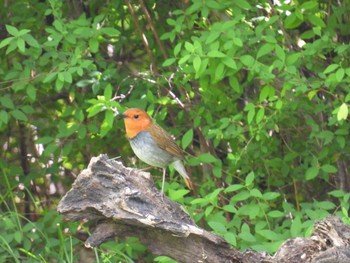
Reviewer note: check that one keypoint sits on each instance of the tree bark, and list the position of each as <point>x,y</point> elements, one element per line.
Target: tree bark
<point>124,202</point>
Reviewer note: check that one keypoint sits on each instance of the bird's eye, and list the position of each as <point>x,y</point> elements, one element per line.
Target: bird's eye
<point>136,116</point>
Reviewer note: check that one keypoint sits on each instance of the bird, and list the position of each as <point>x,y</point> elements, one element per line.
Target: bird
<point>152,144</point>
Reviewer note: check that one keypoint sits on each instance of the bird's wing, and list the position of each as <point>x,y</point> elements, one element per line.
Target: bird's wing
<point>165,141</point>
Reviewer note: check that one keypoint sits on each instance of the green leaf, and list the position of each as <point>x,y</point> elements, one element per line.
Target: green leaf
<point>269,234</point>
<point>327,136</point>
<point>280,53</point>
<point>23,32</point>
<point>295,228</point>
<point>312,94</point>
<point>208,210</point>
<point>311,173</point>
<point>214,4</point>
<point>216,54</point>
<point>177,194</point>
<point>337,193</point>
<point>247,60</point>
<point>229,208</point>
<point>217,171</point>
<point>184,59</point>
<point>60,76</point>
<point>241,196</point>
<point>242,4</point>
<point>339,75</point>
<point>94,109</point>
<point>212,37</point>
<point>265,49</point>
<point>207,158</point>
<point>31,41</point>
<point>187,138</point>
<point>59,83</point>
<point>4,118</point>
<point>268,196</point>
<point>256,193</point>
<point>169,62</point>
<point>250,115</point>
<point>12,30</point>
<point>325,205</point>
<point>197,63</point>
<point>217,227</point>
<point>44,140</point>
<point>12,46</point>
<point>31,92</point>
<point>219,72</point>
<point>50,77</point>
<point>67,77</point>
<point>266,92</point>
<point>213,196</point>
<point>21,45</point>
<point>93,45</point>
<point>110,31</point>
<point>245,234</point>
<point>177,49</point>
<point>293,58</point>
<point>58,25</point>
<point>109,117</point>
<point>249,179</point>
<point>331,68</point>
<point>328,168</point>
<point>230,238</point>
<point>7,102</point>
<point>235,84</point>
<point>200,201</point>
<point>260,115</point>
<point>67,149</point>
<point>237,41</point>
<point>19,115</point>
<point>105,128</point>
<point>229,62</point>
<point>108,92</point>
<point>189,47</point>
<point>82,132</point>
<point>315,20</point>
<point>276,214</point>
<point>49,149</point>
<point>343,112</point>
<point>6,42</point>
<point>292,21</point>
<point>164,259</point>
<point>233,188</point>
<point>309,5</point>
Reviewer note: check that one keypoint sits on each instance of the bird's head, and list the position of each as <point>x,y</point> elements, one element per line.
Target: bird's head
<point>135,120</point>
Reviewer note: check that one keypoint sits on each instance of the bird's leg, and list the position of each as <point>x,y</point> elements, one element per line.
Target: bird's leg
<point>164,171</point>
<point>146,168</point>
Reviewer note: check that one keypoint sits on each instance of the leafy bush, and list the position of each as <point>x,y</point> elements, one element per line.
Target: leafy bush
<point>257,94</point>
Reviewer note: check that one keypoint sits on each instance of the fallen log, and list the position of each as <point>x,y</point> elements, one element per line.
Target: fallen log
<point>123,202</point>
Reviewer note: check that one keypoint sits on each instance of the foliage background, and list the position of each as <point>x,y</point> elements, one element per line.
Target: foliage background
<point>256,92</point>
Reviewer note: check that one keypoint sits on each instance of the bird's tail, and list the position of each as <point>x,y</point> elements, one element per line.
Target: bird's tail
<point>178,165</point>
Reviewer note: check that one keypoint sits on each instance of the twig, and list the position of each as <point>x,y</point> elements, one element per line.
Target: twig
<point>289,43</point>
<point>143,36</point>
<point>149,19</point>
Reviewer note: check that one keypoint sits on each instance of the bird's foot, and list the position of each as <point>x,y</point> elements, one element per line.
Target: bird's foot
<point>146,168</point>
<point>114,158</point>
<point>161,196</point>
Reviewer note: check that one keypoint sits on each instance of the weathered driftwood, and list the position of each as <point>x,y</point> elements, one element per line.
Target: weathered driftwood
<point>124,202</point>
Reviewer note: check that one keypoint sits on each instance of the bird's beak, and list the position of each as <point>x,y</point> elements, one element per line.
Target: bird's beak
<point>121,116</point>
